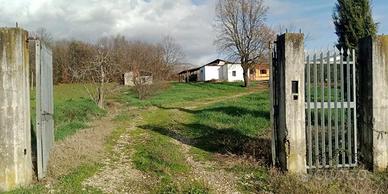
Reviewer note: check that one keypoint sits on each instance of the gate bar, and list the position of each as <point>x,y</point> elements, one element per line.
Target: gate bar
<point>327,104</point>
<point>349,113</point>
<point>342,107</point>
<point>316,126</point>
<point>323,111</point>
<point>329,108</point>
<point>335,166</point>
<point>336,107</point>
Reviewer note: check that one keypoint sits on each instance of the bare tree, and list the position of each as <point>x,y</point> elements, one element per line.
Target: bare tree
<point>242,33</point>
<point>45,36</point>
<point>148,68</point>
<point>172,51</point>
<point>172,54</point>
<point>96,71</point>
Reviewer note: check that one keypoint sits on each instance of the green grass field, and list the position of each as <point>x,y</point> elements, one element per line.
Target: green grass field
<point>178,93</point>
<point>72,109</point>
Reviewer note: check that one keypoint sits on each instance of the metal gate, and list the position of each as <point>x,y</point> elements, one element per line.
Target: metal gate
<point>331,119</point>
<point>44,104</point>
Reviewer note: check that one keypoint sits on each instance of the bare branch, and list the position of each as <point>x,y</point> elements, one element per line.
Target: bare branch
<point>242,33</point>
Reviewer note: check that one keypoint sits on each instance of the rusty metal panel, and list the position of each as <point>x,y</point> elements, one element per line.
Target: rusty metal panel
<point>44,105</point>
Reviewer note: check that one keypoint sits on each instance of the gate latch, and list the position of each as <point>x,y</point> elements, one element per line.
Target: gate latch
<point>47,115</point>
<point>295,90</point>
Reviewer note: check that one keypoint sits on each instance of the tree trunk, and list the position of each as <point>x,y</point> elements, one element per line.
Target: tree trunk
<point>246,77</point>
<point>101,97</point>
<point>101,89</point>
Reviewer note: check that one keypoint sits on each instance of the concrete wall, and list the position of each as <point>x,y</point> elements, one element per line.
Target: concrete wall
<point>289,109</point>
<point>15,134</point>
<point>128,79</point>
<point>373,101</point>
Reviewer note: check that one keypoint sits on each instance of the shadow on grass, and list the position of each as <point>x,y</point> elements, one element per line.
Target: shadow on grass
<point>229,110</point>
<point>224,141</point>
<point>232,127</point>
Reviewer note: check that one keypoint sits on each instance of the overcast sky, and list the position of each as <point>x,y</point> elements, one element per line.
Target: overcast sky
<point>189,21</point>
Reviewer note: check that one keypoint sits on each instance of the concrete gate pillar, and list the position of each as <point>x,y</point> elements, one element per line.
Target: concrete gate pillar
<point>15,134</point>
<point>373,102</point>
<point>288,86</point>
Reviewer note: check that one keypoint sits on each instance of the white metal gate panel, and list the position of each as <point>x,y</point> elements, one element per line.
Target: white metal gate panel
<point>44,106</point>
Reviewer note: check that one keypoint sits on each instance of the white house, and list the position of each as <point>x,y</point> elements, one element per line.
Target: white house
<point>231,73</point>
<point>221,70</point>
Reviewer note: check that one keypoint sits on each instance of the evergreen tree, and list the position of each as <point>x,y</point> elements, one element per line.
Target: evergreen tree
<point>353,20</point>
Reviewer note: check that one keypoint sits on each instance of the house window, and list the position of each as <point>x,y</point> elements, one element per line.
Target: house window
<point>234,73</point>
<point>263,71</point>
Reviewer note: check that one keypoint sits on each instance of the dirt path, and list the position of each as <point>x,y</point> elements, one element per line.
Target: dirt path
<point>84,147</point>
<point>119,175</point>
<point>218,180</point>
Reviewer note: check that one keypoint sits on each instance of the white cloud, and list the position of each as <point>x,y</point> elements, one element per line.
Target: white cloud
<point>136,19</point>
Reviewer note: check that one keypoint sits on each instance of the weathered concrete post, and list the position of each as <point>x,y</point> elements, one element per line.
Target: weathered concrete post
<point>373,98</point>
<point>289,103</point>
<point>15,134</point>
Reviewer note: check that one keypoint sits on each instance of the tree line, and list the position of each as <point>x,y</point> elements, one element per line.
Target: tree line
<point>108,58</point>
<point>76,61</point>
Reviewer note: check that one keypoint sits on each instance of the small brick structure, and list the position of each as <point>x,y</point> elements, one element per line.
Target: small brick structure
<point>144,78</point>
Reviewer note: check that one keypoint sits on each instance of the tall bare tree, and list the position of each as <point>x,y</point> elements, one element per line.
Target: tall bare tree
<point>173,55</point>
<point>172,51</point>
<point>97,70</point>
<point>242,33</point>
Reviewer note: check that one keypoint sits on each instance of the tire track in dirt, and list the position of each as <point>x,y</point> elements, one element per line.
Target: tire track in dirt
<point>218,180</point>
<point>118,174</point>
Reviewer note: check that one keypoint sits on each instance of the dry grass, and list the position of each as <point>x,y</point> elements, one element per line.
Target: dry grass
<point>334,181</point>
